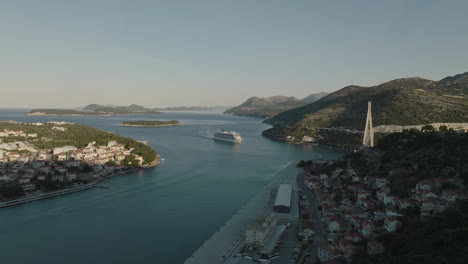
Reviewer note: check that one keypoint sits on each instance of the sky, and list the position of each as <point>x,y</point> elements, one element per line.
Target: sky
<point>59,53</point>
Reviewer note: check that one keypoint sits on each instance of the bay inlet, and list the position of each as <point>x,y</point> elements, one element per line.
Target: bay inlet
<point>157,215</point>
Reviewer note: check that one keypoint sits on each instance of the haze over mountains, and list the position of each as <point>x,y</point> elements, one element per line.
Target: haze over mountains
<point>315,97</point>
<point>139,108</point>
<point>271,106</point>
<point>106,110</point>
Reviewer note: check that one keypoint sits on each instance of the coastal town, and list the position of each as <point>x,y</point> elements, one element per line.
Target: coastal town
<point>355,208</point>
<point>27,171</point>
<point>347,210</point>
<point>315,214</point>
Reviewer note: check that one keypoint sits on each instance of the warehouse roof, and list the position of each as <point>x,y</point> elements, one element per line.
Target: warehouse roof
<point>283,197</point>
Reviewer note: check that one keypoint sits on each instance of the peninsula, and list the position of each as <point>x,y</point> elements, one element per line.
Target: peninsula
<point>143,123</point>
<point>41,160</point>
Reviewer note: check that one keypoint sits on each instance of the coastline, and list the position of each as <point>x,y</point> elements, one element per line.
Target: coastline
<point>125,125</point>
<point>41,196</point>
<point>107,114</point>
<point>28,174</point>
<point>44,114</point>
<point>313,143</point>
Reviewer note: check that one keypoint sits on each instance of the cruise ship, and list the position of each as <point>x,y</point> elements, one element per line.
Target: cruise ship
<point>229,136</point>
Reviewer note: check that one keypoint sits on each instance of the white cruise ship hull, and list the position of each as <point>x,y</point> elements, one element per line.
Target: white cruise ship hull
<point>228,140</point>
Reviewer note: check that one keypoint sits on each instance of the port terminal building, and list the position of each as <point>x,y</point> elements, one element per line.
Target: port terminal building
<point>283,199</point>
<point>264,232</point>
<point>260,229</point>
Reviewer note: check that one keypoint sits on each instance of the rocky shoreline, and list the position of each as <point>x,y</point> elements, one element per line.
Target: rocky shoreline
<point>46,114</point>
<point>126,125</point>
<point>73,189</point>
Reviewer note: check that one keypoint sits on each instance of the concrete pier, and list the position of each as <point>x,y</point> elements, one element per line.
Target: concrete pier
<point>230,237</point>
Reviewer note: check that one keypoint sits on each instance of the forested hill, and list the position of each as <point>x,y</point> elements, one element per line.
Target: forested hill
<point>408,101</point>
<point>315,97</point>
<point>265,107</point>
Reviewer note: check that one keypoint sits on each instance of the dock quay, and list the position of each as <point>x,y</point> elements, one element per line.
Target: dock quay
<point>229,239</point>
<point>102,186</point>
<point>41,196</point>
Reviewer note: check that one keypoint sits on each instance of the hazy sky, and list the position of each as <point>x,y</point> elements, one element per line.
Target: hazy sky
<point>162,53</point>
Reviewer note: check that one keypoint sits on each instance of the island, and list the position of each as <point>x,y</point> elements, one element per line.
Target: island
<point>110,110</point>
<point>65,112</point>
<point>41,160</point>
<point>143,123</point>
<point>97,110</point>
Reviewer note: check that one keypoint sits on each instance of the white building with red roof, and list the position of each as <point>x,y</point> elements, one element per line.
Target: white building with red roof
<point>391,224</point>
<point>326,253</point>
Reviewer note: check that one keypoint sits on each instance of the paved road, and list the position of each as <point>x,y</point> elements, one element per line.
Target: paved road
<point>288,242</point>
<point>321,232</point>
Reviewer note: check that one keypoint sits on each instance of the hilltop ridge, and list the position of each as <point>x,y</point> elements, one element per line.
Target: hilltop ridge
<point>265,107</point>
<point>404,101</point>
<point>271,106</point>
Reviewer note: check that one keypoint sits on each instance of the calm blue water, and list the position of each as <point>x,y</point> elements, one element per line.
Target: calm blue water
<point>161,215</point>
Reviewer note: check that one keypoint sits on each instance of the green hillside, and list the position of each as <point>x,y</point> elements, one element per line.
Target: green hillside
<point>409,101</point>
<point>265,107</point>
<point>399,102</point>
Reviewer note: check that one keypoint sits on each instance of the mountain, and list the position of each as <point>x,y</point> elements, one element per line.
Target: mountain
<point>407,101</point>
<point>315,97</point>
<point>124,111</point>
<point>456,85</point>
<point>265,107</point>
<point>130,108</point>
<point>280,99</point>
<point>96,109</point>
<point>134,108</point>
<point>93,107</point>
<point>138,108</point>
<point>459,78</point>
<point>184,108</point>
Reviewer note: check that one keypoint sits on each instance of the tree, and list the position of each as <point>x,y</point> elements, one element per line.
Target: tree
<point>443,128</point>
<point>427,128</point>
<point>111,163</point>
<point>131,161</point>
